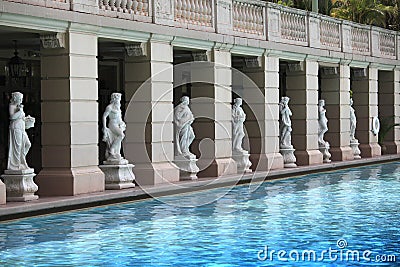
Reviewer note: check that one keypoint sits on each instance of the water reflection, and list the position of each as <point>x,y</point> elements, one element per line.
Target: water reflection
<point>308,212</point>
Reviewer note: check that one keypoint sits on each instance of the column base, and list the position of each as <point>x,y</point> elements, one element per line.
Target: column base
<point>242,161</point>
<point>156,173</point>
<point>187,166</point>
<point>219,167</point>
<point>118,176</point>
<point>19,185</point>
<point>341,153</point>
<point>266,162</point>
<point>70,181</point>
<point>370,150</point>
<point>2,193</point>
<point>309,157</point>
<point>391,148</point>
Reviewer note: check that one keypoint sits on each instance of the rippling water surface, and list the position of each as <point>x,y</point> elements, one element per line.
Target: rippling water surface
<point>347,211</point>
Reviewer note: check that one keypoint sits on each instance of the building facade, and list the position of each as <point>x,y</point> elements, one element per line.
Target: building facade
<point>76,53</point>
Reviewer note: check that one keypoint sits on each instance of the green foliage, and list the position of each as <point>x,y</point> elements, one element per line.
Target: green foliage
<point>386,126</point>
<point>362,11</point>
<point>383,13</point>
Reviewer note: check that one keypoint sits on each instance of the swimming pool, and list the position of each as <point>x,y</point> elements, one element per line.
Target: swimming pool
<point>300,221</point>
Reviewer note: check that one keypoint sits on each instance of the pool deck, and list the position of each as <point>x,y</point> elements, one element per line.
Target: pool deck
<point>46,205</point>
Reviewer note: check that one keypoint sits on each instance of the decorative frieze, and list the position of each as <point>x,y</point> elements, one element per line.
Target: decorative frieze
<point>295,67</point>
<point>253,62</point>
<point>53,40</point>
<point>330,71</point>
<point>201,56</point>
<point>359,73</point>
<point>136,50</point>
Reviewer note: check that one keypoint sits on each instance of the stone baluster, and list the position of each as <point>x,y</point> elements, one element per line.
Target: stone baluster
<point>145,9</point>
<point>190,10</point>
<point>118,5</point>
<point>124,5</point>
<point>235,15</point>
<point>135,5</point>
<point>253,19</point>
<point>111,4</point>
<point>129,6</point>
<point>247,18</point>
<point>203,12</point>
<point>291,26</point>
<point>103,4</point>
<point>139,7</point>
<point>183,10</point>
<point>178,9</point>
<point>209,13</point>
<point>200,12</point>
<point>187,17</point>
<point>260,21</point>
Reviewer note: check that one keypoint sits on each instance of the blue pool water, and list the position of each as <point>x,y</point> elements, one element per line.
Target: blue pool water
<point>341,213</point>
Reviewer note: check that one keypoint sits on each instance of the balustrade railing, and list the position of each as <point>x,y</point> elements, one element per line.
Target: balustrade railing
<point>136,7</point>
<point>245,18</point>
<point>360,39</point>
<point>329,33</point>
<point>57,4</point>
<point>248,18</point>
<point>293,26</point>
<point>198,12</point>
<point>387,44</point>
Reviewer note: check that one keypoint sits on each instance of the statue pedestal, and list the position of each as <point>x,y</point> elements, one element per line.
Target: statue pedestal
<point>354,146</point>
<point>289,159</point>
<point>242,161</point>
<point>187,166</point>
<point>118,176</point>
<point>324,149</point>
<point>19,185</point>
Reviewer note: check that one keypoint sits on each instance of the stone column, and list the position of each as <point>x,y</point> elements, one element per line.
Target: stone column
<point>263,127</point>
<point>2,193</point>
<point>149,116</point>
<point>212,111</point>
<point>389,108</point>
<point>335,90</point>
<point>365,96</point>
<point>302,88</point>
<point>70,117</point>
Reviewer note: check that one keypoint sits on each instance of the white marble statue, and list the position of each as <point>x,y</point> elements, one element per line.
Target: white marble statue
<point>238,118</point>
<point>113,133</point>
<point>19,143</point>
<point>285,123</point>
<point>322,122</point>
<point>184,134</point>
<point>353,122</point>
